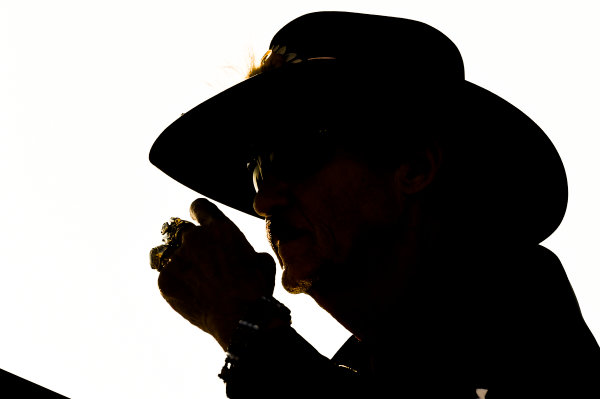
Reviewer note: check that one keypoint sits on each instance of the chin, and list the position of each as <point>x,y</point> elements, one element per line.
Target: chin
<point>295,284</point>
<point>299,264</point>
<point>299,274</point>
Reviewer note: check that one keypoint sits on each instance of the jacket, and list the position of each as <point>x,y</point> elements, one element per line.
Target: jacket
<point>503,324</point>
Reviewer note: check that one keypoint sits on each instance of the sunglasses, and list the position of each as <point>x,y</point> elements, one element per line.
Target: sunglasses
<point>292,162</point>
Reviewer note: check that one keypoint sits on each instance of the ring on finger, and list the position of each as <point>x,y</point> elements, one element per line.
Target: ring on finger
<point>172,232</point>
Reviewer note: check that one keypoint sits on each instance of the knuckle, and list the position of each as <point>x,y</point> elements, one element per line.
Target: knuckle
<point>190,233</point>
<point>186,236</point>
<point>265,259</point>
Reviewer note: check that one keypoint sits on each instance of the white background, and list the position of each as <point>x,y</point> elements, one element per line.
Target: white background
<point>86,87</point>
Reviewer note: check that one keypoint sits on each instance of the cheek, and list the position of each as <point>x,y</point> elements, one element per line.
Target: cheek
<point>350,212</point>
<point>341,202</point>
<point>336,225</point>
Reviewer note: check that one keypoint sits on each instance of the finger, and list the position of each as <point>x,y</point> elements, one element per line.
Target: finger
<point>186,229</point>
<point>172,278</point>
<point>205,212</point>
<point>169,282</point>
<point>156,255</point>
<point>266,262</point>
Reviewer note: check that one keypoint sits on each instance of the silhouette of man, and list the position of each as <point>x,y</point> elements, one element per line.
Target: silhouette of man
<point>406,201</point>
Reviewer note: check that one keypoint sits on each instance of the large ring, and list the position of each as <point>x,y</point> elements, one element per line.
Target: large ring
<point>172,232</point>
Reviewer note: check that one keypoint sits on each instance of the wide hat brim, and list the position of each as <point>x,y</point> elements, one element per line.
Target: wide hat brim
<point>510,167</point>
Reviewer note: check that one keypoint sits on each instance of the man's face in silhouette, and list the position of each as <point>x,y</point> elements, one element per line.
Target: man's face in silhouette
<point>317,222</point>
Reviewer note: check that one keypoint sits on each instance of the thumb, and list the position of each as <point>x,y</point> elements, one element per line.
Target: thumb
<point>266,263</point>
<point>205,212</point>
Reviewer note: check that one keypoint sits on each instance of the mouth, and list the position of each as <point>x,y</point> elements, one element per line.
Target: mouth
<point>279,232</point>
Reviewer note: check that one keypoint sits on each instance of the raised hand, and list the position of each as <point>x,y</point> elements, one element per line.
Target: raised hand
<point>215,275</point>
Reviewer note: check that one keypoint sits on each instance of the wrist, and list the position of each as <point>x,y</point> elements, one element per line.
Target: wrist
<point>262,314</point>
<point>265,315</point>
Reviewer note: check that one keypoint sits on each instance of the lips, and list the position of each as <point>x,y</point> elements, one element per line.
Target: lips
<point>281,231</point>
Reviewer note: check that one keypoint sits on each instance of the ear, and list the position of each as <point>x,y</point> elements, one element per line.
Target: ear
<point>419,170</point>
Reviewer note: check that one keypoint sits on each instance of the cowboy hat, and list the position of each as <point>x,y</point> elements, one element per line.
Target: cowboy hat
<point>379,78</point>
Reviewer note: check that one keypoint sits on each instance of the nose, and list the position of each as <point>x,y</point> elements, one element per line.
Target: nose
<point>272,193</point>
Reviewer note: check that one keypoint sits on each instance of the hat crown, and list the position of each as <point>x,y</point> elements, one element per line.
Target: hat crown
<point>394,49</point>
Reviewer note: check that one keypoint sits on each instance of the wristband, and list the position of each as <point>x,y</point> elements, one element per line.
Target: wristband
<point>266,314</point>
